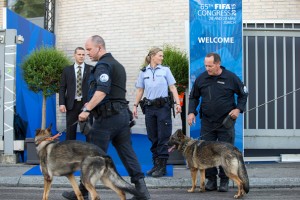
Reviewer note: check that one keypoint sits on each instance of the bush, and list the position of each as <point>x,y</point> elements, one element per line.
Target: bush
<point>178,62</point>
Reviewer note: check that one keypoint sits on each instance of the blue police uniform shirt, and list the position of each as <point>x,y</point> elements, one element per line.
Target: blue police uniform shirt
<point>156,81</point>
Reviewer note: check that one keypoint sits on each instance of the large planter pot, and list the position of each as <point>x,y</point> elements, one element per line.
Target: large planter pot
<point>176,158</point>
<point>32,157</point>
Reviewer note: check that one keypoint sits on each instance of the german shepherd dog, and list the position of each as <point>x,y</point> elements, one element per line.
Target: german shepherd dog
<point>201,155</point>
<point>64,158</point>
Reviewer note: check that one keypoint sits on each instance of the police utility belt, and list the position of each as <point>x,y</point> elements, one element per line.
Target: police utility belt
<point>108,109</point>
<point>158,102</point>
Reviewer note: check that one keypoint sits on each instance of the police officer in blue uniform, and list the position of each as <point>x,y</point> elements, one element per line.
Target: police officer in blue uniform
<point>110,109</point>
<point>156,80</point>
<point>217,88</point>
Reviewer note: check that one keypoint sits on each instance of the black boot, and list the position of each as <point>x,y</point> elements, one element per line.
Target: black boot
<point>211,184</point>
<point>72,196</point>
<point>223,185</point>
<point>161,169</point>
<point>155,166</point>
<point>141,187</point>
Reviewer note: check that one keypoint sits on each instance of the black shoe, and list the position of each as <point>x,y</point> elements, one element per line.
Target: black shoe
<point>161,169</point>
<point>223,185</point>
<point>211,185</point>
<point>154,168</point>
<point>72,196</point>
<point>141,187</point>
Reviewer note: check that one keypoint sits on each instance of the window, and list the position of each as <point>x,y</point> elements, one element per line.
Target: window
<point>28,8</point>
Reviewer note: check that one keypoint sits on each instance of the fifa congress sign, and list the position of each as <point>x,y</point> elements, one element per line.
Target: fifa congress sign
<point>216,26</point>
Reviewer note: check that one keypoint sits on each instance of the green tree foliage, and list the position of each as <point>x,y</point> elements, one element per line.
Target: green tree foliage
<point>42,71</point>
<point>30,8</point>
<point>178,62</point>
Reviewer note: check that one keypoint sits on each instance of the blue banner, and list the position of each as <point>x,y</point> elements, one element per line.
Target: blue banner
<point>28,103</point>
<point>216,26</point>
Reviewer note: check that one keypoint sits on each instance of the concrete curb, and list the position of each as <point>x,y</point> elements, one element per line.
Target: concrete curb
<point>164,182</point>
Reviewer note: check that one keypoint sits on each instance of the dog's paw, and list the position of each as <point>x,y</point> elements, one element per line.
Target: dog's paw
<point>202,189</point>
<point>191,190</point>
<point>237,196</point>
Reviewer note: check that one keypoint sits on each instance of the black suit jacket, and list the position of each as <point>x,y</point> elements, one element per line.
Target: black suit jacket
<point>68,86</point>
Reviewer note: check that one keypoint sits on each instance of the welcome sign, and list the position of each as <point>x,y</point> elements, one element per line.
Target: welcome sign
<point>216,26</point>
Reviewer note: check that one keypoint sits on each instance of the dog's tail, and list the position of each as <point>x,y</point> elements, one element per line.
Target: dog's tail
<point>242,172</point>
<point>117,180</point>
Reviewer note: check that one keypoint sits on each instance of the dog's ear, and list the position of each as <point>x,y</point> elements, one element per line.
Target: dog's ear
<point>50,127</point>
<point>179,133</point>
<point>37,131</point>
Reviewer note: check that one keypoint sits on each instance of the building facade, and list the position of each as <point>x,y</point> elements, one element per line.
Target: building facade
<point>131,28</point>
<point>2,4</point>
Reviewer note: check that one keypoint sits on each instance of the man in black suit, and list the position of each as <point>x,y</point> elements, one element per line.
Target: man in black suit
<point>73,92</point>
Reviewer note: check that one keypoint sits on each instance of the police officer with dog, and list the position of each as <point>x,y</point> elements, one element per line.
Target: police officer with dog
<point>112,116</point>
<point>217,88</point>
<point>157,80</point>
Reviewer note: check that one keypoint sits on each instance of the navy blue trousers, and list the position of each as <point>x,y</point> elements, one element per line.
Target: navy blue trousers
<point>116,129</point>
<point>159,129</point>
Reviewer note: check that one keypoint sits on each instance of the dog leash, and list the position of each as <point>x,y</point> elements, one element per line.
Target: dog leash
<point>60,133</point>
<point>272,100</point>
<point>55,136</point>
<point>219,126</point>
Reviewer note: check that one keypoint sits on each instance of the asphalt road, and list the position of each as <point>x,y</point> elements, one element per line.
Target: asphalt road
<point>30,193</point>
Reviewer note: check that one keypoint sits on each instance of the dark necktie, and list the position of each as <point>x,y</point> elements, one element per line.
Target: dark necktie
<point>78,82</point>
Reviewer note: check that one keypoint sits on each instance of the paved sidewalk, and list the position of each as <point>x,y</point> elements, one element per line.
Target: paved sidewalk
<point>273,175</point>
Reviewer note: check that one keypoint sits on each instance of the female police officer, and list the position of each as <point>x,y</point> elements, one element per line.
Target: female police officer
<point>156,79</point>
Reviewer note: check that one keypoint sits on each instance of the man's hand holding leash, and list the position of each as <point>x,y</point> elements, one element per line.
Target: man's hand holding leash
<point>234,113</point>
<point>191,119</point>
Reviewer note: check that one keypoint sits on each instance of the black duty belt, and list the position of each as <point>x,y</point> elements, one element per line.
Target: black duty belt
<point>109,109</point>
<point>158,102</point>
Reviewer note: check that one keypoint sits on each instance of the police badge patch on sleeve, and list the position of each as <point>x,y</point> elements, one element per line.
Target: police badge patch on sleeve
<point>245,90</point>
<point>103,78</point>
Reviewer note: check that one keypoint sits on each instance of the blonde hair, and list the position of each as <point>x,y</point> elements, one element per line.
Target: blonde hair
<point>151,53</point>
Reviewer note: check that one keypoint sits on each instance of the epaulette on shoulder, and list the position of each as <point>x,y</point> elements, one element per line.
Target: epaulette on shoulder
<point>143,69</point>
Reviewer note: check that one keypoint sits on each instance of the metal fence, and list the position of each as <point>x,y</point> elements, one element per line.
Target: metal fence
<point>272,70</point>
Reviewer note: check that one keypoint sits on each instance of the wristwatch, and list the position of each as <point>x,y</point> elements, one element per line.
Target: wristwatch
<point>85,110</point>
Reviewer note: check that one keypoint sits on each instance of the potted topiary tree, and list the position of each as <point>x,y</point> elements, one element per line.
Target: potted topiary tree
<point>42,72</point>
<point>178,62</point>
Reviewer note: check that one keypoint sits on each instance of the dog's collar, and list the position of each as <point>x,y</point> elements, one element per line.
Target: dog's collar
<point>186,143</point>
<point>48,138</point>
